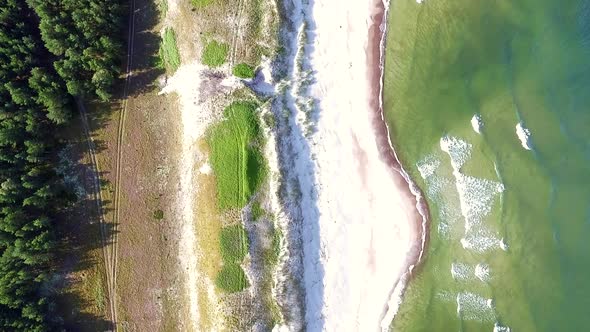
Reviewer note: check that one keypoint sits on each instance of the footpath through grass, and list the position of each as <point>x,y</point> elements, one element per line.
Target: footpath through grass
<point>169,55</point>
<point>240,169</point>
<point>236,158</point>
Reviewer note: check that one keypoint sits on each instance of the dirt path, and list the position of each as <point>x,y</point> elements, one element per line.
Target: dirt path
<point>119,162</point>
<point>236,31</point>
<point>109,241</point>
<point>97,197</point>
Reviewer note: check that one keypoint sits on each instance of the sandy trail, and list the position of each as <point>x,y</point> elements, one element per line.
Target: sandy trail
<point>368,222</point>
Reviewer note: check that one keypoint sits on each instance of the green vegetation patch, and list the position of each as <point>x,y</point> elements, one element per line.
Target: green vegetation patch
<point>169,51</point>
<point>158,214</point>
<point>256,211</point>
<point>271,256</point>
<point>201,3</point>
<point>163,8</point>
<point>231,278</point>
<point>243,70</point>
<point>234,243</point>
<point>215,53</point>
<point>236,159</point>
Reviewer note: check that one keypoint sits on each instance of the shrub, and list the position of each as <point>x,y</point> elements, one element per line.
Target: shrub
<point>243,70</point>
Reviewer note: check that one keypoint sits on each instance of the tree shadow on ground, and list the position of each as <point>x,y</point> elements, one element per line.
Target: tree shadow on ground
<point>80,245</point>
<point>145,68</point>
<point>80,251</point>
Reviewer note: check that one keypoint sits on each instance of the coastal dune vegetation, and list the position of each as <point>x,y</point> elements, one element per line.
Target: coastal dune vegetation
<point>235,155</point>
<point>169,55</point>
<point>215,53</point>
<point>239,170</point>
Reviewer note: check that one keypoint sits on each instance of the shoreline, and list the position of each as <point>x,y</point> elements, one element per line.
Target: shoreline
<point>375,63</point>
<point>369,230</point>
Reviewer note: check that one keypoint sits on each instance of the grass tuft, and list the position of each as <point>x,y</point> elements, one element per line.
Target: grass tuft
<point>237,162</point>
<point>234,244</point>
<point>231,278</point>
<point>256,211</point>
<point>169,51</point>
<point>158,214</point>
<point>163,8</point>
<point>215,53</point>
<point>201,3</point>
<point>243,70</point>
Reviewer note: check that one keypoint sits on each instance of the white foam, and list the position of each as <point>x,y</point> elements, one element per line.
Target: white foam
<point>524,135</point>
<point>439,189</point>
<point>443,229</point>
<point>476,195</point>
<point>461,271</point>
<point>481,241</point>
<point>458,150</point>
<point>482,272</point>
<point>427,166</point>
<point>471,306</point>
<point>503,244</point>
<point>477,123</point>
<point>501,328</point>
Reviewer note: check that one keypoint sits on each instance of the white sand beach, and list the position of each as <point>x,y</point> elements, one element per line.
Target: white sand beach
<point>367,218</point>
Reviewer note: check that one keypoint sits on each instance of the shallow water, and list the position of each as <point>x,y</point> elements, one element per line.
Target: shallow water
<point>510,229</point>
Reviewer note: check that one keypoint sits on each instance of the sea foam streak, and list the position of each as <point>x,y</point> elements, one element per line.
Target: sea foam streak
<point>524,135</point>
<point>476,195</point>
<point>471,306</point>
<point>477,123</point>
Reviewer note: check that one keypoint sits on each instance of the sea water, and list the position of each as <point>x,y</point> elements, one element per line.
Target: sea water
<point>488,103</point>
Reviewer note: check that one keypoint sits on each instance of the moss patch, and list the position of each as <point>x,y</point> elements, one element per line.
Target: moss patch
<point>215,53</point>
<point>243,70</point>
<point>170,58</point>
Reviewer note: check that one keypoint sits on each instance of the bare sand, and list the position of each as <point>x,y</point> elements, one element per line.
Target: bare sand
<point>369,228</point>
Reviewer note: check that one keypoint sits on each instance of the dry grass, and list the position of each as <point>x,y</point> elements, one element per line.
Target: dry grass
<point>209,224</point>
<point>148,299</point>
<point>238,24</point>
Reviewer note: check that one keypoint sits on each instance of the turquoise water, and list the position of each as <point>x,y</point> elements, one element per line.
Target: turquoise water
<point>510,229</point>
